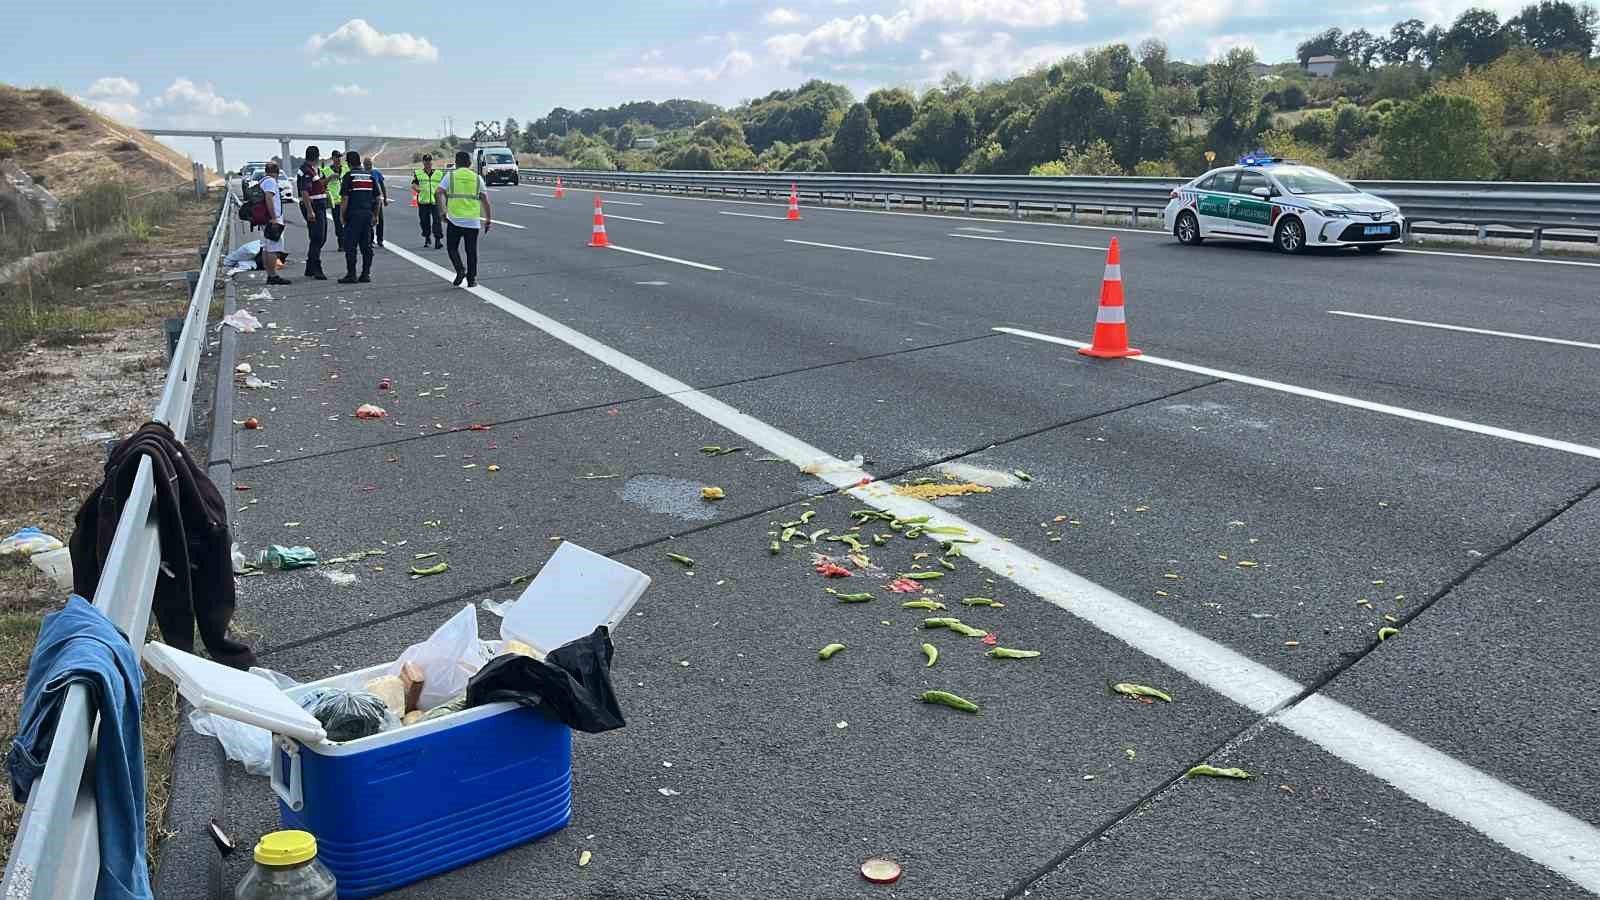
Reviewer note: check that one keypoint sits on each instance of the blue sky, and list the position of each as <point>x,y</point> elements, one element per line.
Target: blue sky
<point>400,66</point>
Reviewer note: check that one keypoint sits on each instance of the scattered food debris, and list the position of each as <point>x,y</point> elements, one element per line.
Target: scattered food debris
<point>828,651</point>
<point>683,560</point>
<point>435,569</point>
<point>945,698</point>
<point>1141,690</point>
<point>935,491</point>
<point>880,871</point>
<point>584,857</point>
<point>369,411</point>
<point>932,653</point>
<point>1386,632</point>
<point>1214,772</point>
<point>1008,653</point>
<point>252,423</point>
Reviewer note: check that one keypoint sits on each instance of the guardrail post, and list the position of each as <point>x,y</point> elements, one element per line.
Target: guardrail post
<point>1136,217</point>
<point>1538,240</point>
<point>1483,233</point>
<point>1016,211</point>
<point>969,206</point>
<point>1074,212</point>
<point>885,201</point>
<point>924,202</point>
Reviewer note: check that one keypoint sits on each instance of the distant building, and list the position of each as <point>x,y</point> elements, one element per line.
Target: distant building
<point>645,143</point>
<point>1322,66</point>
<point>1260,69</point>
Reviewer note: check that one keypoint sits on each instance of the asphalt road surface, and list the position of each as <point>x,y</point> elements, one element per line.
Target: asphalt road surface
<point>1231,520</point>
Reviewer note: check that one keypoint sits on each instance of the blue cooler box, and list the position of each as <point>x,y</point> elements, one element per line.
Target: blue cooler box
<point>400,806</point>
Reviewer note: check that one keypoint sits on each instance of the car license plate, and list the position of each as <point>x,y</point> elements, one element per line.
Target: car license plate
<point>1376,230</point>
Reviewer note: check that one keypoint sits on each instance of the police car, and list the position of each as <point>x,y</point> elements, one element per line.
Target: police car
<point>1284,203</point>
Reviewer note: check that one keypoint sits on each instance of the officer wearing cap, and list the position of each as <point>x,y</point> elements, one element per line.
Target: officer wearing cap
<point>425,181</point>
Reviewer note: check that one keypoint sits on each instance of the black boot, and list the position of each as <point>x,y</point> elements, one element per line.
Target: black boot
<point>273,279</point>
<point>349,278</point>
<point>366,278</point>
<point>460,277</point>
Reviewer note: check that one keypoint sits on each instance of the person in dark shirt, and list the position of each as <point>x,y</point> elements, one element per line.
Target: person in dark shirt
<point>360,203</point>
<point>313,191</point>
<point>383,196</point>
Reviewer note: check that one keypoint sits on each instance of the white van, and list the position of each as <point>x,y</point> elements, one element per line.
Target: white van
<point>496,164</point>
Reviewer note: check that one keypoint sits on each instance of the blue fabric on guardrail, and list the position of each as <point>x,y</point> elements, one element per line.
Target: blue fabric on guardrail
<point>78,644</point>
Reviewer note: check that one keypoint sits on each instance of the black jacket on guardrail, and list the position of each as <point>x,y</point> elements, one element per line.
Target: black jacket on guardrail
<point>195,585</point>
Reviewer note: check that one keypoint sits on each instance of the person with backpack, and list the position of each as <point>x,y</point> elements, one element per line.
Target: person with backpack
<point>313,190</point>
<point>425,181</point>
<point>333,174</point>
<point>465,207</point>
<point>359,205</point>
<point>272,246</point>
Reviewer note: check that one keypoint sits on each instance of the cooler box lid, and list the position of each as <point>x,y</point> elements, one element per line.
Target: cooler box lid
<point>575,591</point>
<point>215,688</point>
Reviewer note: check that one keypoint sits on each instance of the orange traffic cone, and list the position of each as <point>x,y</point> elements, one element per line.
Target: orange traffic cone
<point>794,203</point>
<point>413,197</point>
<point>561,192</point>
<point>599,238</point>
<point>1110,322</point>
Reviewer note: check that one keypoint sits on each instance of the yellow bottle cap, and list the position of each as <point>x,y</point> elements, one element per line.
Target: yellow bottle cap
<point>286,848</point>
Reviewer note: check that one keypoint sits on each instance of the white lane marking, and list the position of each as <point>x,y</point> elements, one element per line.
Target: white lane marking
<point>1516,820</point>
<point>531,205</point>
<point>1398,411</point>
<point>982,230</point>
<point>979,237</point>
<point>1505,334</point>
<point>498,222</point>
<point>671,259</point>
<point>632,219</point>
<point>623,203</point>
<point>724,212</point>
<point>857,249</point>
<point>545,196</point>
<point>651,283</point>
<point>1486,256</point>
<point>490,189</point>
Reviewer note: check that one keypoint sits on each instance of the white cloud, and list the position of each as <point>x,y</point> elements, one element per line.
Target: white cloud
<point>650,56</point>
<point>784,17</point>
<point>357,38</point>
<point>319,120</point>
<point>983,56</point>
<point>120,110</point>
<point>860,33</point>
<point>735,64</point>
<point>841,37</point>
<point>350,90</point>
<point>184,97</point>
<point>1168,17</point>
<point>115,86</point>
<point>1008,13</point>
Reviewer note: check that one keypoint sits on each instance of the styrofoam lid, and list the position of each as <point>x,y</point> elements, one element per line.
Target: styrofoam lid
<point>575,591</point>
<point>215,688</point>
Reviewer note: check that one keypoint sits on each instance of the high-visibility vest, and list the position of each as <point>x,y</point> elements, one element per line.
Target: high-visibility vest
<point>335,178</point>
<point>462,197</point>
<point>427,184</point>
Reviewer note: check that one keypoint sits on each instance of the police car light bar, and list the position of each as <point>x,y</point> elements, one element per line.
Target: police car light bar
<point>1261,159</point>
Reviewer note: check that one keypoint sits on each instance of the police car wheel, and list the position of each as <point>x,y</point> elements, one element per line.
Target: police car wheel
<point>1290,236</point>
<point>1187,229</point>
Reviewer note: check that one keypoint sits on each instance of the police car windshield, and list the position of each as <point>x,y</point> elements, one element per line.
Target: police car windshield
<point>1310,181</point>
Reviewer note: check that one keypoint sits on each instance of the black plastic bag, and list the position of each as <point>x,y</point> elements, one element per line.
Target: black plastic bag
<point>571,685</point>
<point>348,715</point>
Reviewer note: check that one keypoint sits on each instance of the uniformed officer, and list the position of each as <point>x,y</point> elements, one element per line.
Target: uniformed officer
<point>333,174</point>
<point>466,212</point>
<point>313,191</point>
<point>425,181</point>
<point>359,203</point>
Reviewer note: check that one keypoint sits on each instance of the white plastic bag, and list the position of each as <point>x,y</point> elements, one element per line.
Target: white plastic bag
<point>249,745</point>
<point>29,541</point>
<point>242,320</point>
<point>449,658</point>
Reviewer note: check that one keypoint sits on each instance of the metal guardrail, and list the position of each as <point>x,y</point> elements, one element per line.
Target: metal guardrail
<point>1531,205</point>
<point>56,853</point>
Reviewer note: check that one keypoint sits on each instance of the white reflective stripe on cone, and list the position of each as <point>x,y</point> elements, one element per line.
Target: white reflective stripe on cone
<point>1113,271</point>
<point>1110,315</point>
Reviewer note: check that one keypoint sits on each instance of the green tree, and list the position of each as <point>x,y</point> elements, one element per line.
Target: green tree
<point>1153,56</point>
<point>1553,27</point>
<point>1141,131</point>
<point>856,147</point>
<point>1293,97</point>
<point>1327,43</point>
<point>1437,137</point>
<point>893,109</point>
<point>1094,158</point>
<point>1231,99</point>
<point>1475,38</point>
<point>1406,42</point>
<point>592,157</point>
<point>511,133</point>
<point>1349,127</point>
<point>812,156</point>
<point>626,135</point>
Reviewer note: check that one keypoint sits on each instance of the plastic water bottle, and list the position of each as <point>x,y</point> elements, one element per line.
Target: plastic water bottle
<point>287,869</point>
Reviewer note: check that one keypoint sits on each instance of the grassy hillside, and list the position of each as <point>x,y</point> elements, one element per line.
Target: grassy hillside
<point>68,147</point>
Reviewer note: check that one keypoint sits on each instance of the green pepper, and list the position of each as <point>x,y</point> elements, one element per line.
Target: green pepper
<point>852,598</point>
<point>948,699</point>
<point>1387,632</point>
<point>1021,475</point>
<point>944,529</point>
<point>879,540</point>
<point>945,563</point>
<point>774,548</point>
<point>806,516</point>
<point>922,576</point>
<point>922,604</point>
<point>966,630</point>
<point>1008,653</point>
<point>939,622</point>
<point>932,653</point>
<point>1214,772</point>
<point>787,536</point>
<point>435,569</point>
<point>678,558</point>
<point>981,601</point>
<point>819,533</point>
<point>1139,690</point>
<point>829,651</point>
